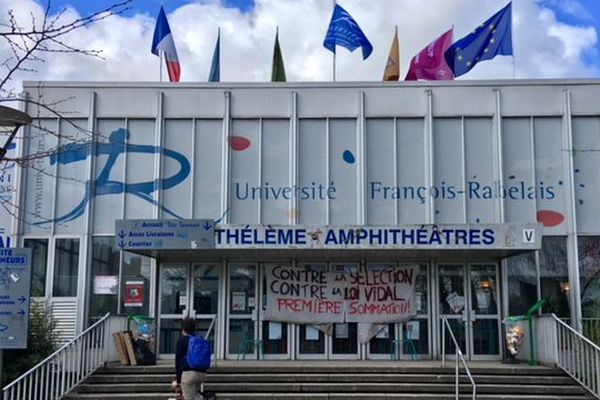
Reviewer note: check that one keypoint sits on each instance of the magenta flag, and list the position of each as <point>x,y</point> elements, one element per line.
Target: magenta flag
<point>430,64</point>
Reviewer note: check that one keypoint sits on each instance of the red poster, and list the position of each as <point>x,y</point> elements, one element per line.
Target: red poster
<point>134,293</point>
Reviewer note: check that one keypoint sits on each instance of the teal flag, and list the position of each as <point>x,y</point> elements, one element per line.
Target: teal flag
<point>215,68</point>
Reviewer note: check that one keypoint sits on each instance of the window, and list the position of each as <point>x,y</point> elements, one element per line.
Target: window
<point>589,276</point>
<point>104,291</point>
<point>522,283</point>
<point>66,265</point>
<point>554,276</point>
<point>39,265</point>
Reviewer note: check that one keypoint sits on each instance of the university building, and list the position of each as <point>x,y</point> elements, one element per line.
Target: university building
<point>488,189</point>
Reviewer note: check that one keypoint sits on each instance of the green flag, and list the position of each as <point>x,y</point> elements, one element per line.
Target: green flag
<point>215,67</point>
<point>278,70</point>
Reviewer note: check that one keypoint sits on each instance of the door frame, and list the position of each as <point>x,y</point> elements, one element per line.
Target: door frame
<point>252,315</point>
<point>159,315</point>
<point>189,287</point>
<point>473,316</point>
<point>468,316</point>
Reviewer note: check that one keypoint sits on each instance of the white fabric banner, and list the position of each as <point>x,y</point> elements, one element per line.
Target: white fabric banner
<point>305,296</point>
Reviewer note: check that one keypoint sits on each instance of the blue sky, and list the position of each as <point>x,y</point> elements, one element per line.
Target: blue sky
<point>148,6</point>
<point>563,43</point>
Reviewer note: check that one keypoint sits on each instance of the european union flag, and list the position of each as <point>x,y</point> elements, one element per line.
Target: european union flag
<point>493,37</point>
<point>344,31</point>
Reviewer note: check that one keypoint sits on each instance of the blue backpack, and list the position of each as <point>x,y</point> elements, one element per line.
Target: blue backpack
<point>199,353</point>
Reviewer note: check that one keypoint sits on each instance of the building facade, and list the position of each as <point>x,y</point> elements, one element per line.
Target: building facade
<point>514,156</point>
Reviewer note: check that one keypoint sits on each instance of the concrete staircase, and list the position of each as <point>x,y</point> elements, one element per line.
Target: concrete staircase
<point>337,380</point>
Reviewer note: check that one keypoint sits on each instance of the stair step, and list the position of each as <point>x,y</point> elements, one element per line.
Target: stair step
<point>389,387</point>
<point>366,378</point>
<point>323,396</point>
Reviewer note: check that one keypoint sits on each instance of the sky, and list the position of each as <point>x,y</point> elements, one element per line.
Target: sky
<point>551,38</point>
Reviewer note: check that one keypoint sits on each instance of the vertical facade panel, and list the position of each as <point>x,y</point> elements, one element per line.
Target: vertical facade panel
<point>109,167</point>
<point>586,159</point>
<point>140,196</point>
<point>275,174</point>
<point>518,172</point>
<point>550,188</point>
<point>411,185</point>
<point>208,168</point>
<point>71,177</point>
<point>343,171</point>
<point>39,188</point>
<point>177,163</point>
<point>312,170</point>
<point>381,174</point>
<point>448,190</point>
<point>482,191</point>
<point>246,193</point>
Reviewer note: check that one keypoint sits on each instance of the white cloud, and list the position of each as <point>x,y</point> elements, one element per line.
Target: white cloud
<point>544,46</point>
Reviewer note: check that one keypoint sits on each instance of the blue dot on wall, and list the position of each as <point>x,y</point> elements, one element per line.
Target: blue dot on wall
<point>348,157</point>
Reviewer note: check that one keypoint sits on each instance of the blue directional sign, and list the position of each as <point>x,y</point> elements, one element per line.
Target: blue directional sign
<point>15,286</point>
<point>164,234</point>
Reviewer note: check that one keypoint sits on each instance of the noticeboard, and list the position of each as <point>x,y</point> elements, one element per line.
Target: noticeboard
<point>15,286</point>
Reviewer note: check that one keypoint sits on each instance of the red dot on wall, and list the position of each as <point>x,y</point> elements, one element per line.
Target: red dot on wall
<point>239,143</point>
<point>550,218</point>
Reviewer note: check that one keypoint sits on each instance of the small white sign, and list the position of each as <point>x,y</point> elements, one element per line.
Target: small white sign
<point>312,333</point>
<point>275,330</point>
<point>412,330</point>
<point>528,236</point>
<point>384,333</point>
<point>106,284</point>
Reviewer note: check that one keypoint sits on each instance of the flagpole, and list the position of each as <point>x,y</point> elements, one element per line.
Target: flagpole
<point>160,65</point>
<point>334,47</point>
<point>160,55</point>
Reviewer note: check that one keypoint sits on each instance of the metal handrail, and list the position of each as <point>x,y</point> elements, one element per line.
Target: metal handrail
<point>458,356</point>
<point>578,356</point>
<point>64,369</point>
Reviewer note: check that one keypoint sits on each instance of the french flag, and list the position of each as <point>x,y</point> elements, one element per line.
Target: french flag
<point>163,41</point>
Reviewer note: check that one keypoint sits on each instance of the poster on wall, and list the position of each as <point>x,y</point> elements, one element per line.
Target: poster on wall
<point>312,333</point>
<point>134,295</point>
<point>106,284</point>
<point>456,302</point>
<point>238,301</point>
<point>299,295</point>
<point>412,330</point>
<point>274,330</point>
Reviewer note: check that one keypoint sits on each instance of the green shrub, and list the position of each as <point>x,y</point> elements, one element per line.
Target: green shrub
<point>40,344</point>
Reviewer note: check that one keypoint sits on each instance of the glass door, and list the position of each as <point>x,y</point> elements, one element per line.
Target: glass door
<point>241,327</point>
<point>344,337</point>
<point>312,340</point>
<point>452,305</point>
<point>484,314</point>
<point>468,297</point>
<point>274,335</point>
<point>177,282</point>
<point>204,306</point>
<point>174,286</point>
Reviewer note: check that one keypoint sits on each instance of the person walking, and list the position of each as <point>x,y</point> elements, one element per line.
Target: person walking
<point>189,379</point>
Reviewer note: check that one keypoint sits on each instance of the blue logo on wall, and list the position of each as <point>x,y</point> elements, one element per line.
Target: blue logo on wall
<point>103,185</point>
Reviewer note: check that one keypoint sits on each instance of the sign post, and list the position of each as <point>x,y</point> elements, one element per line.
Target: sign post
<point>15,286</point>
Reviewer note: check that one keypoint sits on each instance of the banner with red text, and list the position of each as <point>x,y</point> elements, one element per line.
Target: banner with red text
<point>313,296</point>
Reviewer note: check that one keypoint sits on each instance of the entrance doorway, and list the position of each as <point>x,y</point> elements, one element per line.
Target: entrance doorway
<point>187,290</point>
<point>468,298</point>
<point>341,340</point>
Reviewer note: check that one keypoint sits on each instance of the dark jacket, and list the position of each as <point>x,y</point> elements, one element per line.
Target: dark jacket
<point>180,357</point>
